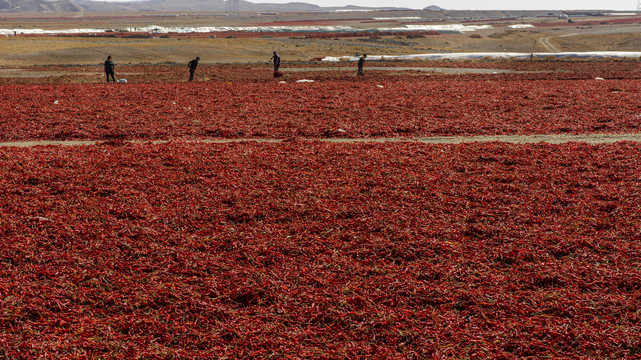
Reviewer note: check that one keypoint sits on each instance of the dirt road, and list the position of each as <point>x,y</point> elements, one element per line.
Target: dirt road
<point>512,139</point>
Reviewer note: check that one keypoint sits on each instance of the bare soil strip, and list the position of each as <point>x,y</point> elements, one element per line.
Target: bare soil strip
<point>512,139</point>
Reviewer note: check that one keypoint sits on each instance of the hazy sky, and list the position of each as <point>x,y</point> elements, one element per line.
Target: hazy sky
<point>479,5</point>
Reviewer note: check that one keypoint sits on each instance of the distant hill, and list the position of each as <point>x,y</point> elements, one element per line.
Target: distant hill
<point>38,6</point>
<point>210,5</point>
<point>432,12</point>
<point>17,6</point>
<point>190,5</point>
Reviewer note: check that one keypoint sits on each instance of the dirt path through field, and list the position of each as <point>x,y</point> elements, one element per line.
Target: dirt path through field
<point>545,41</point>
<point>513,139</point>
<point>591,38</point>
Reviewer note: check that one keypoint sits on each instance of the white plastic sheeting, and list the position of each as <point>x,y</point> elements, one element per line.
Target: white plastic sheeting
<point>398,18</point>
<point>459,28</point>
<point>47,32</point>
<point>156,29</point>
<point>500,55</point>
<point>440,28</point>
<point>520,26</point>
<point>164,30</point>
<point>183,30</point>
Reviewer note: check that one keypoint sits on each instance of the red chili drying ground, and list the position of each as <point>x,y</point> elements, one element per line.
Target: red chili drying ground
<point>260,72</point>
<point>315,250</point>
<point>382,106</point>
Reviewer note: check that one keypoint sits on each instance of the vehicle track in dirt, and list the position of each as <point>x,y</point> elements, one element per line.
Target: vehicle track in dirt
<point>545,41</point>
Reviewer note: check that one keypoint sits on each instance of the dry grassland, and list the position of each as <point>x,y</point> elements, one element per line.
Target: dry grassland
<point>222,48</point>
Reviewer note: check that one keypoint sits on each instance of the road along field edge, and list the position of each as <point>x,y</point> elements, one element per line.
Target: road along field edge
<point>514,139</point>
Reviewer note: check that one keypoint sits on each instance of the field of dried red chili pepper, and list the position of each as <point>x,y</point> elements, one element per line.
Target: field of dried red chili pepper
<point>557,98</point>
<point>314,250</point>
<point>306,249</point>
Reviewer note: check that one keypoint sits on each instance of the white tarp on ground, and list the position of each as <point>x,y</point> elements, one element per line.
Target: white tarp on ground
<point>459,28</point>
<point>183,30</point>
<point>520,26</point>
<point>48,32</point>
<point>503,55</point>
<point>440,28</point>
<point>399,18</point>
<point>155,29</point>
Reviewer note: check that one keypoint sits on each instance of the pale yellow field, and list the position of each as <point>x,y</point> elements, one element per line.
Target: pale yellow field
<point>53,50</point>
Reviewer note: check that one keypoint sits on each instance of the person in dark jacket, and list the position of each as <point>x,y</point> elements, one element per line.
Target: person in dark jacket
<point>276,60</point>
<point>109,69</point>
<point>192,67</point>
<point>361,62</point>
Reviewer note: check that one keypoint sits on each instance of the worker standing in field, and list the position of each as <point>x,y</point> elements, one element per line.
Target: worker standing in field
<point>361,62</point>
<point>192,67</point>
<point>109,69</point>
<point>276,60</point>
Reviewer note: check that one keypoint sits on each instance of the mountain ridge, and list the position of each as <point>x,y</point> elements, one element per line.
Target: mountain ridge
<point>20,6</point>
